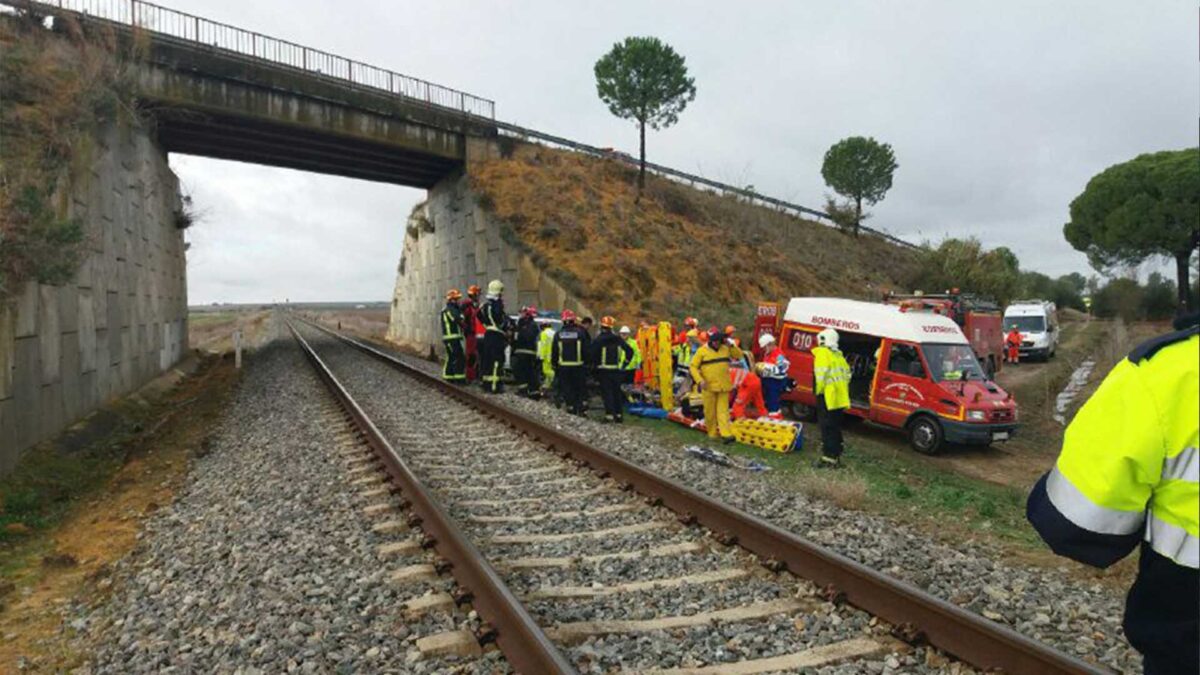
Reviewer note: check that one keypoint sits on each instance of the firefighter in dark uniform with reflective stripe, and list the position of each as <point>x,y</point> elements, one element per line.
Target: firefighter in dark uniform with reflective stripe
<point>495,338</point>
<point>451,320</point>
<point>568,353</point>
<point>527,370</point>
<point>1128,475</point>
<point>609,355</point>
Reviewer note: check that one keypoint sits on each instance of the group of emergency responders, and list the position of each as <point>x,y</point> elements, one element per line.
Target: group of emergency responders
<point>712,373</point>
<point>1127,476</point>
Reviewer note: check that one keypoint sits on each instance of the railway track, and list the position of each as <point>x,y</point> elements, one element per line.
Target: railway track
<point>577,559</point>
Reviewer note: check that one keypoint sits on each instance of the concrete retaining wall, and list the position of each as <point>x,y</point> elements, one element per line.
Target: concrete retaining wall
<point>464,247</point>
<point>66,350</point>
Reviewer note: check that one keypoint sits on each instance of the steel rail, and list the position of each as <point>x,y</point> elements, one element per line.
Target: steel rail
<point>523,642</point>
<point>918,616</point>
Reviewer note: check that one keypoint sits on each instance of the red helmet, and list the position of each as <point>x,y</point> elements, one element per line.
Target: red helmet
<point>473,290</point>
<point>714,332</point>
<point>691,322</point>
<point>529,310</point>
<point>568,315</point>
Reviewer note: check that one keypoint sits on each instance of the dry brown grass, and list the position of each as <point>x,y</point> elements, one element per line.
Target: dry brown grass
<point>56,87</point>
<point>678,250</point>
<point>847,490</point>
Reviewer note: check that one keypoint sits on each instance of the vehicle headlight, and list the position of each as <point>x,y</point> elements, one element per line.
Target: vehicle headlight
<point>976,415</point>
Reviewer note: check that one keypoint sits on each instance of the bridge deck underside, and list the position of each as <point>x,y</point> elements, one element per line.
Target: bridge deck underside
<point>249,140</point>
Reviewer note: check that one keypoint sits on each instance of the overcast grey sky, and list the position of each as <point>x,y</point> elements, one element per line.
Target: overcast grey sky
<point>999,113</point>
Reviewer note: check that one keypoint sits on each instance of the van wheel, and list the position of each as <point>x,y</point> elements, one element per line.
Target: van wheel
<point>925,435</point>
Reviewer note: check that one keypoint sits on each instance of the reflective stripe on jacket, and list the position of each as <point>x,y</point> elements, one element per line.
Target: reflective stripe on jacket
<point>711,366</point>
<point>569,346</point>
<point>636,361</point>
<point>1130,461</point>
<point>610,351</point>
<point>452,321</point>
<point>492,315</point>
<point>831,377</point>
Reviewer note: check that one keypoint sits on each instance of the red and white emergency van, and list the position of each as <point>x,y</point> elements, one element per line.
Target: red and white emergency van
<point>914,371</point>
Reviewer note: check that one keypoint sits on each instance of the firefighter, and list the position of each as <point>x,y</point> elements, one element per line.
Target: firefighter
<point>567,353</point>
<point>774,373</point>
<point>710,371</point>
<point>495,338</point>
<point>1127,475</point>
<point>525,365</point>
<point>831,386</point>
<point>545,339</point>
<point>609,354</point>
<point>1012,346</point>
<point>472,330</point>
<point>454,369</point>
<point>631,365</point>
<point>690,324</point>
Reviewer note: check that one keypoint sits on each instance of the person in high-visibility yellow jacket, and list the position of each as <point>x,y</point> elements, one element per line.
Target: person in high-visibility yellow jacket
<point>545,340</point>
<point>1129,474</point>
<point>710,371</point>
<point>831,387</point>
<point>630,365</point>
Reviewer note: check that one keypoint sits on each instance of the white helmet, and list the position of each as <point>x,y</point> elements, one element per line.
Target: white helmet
<point>828,338</point>
<point>624,330</point>
<point>495,287</point>
<point>765,339</point>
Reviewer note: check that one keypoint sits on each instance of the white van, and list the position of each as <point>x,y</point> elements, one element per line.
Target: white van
<point>1037,321</point>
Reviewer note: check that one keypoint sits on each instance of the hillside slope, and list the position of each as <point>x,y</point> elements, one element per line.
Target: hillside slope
<point>680,251</point>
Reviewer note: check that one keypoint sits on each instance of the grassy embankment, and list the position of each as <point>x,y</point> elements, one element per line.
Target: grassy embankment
<point>680,250</point>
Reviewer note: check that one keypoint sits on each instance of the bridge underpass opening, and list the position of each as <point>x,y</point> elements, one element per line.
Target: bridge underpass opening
<point>266,234</point>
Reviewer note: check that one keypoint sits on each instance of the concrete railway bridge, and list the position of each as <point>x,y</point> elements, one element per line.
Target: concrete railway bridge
<point>218,91</point>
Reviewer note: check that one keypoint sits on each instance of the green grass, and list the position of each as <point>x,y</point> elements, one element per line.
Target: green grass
<point>883,475</point>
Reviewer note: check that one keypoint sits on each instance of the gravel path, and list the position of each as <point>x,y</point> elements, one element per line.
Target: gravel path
<point>266,561</point>
<point>1048,605</point>
<point>500,485</point>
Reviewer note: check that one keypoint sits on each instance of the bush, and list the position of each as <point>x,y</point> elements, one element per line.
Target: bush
<point>57,87</point>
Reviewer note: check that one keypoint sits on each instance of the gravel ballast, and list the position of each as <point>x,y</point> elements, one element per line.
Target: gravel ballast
<point>1082,619</point>
<point>437,435</point>
<point>265,562</point>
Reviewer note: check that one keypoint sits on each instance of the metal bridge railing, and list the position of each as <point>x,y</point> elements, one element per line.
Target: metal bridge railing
<point>214,35</point>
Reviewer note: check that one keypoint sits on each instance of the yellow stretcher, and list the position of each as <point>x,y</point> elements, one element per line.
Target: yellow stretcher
<point>655,343</point>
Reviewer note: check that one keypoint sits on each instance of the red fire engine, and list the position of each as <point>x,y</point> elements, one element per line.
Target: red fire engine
<point>980,320</point>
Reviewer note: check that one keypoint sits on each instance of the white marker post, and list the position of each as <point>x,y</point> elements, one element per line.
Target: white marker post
<point>237,348</point>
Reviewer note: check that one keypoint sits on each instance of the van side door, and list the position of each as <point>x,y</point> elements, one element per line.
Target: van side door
<point>900,384</point>
<point>797,343</point>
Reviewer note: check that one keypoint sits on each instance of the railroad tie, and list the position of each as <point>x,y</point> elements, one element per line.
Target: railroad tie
<point>397,549</point>
<point>590,492</point>
<point>556,515</point>
<point>578,631</point>
<point>657,552</point>
<point>566,536</point>
<point>450,643</point>
<point>825,655</point>
<point>439,601</point>
<point>568,592</point>
<point>414,573</point>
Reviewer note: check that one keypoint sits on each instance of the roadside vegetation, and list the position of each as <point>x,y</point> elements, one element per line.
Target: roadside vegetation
<point>680,250</point>
<point>58,85</point>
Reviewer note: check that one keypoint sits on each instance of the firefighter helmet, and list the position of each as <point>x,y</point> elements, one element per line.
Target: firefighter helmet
<point>453,294</point>
<point>473,290</point>
<point>495,287</point>
<point>828,338</point>
<point>607,322</point>
<point>568,316</point>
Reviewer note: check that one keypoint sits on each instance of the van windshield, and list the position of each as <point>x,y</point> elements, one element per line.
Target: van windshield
<point>952,363</point>
<point>1025,324</point>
